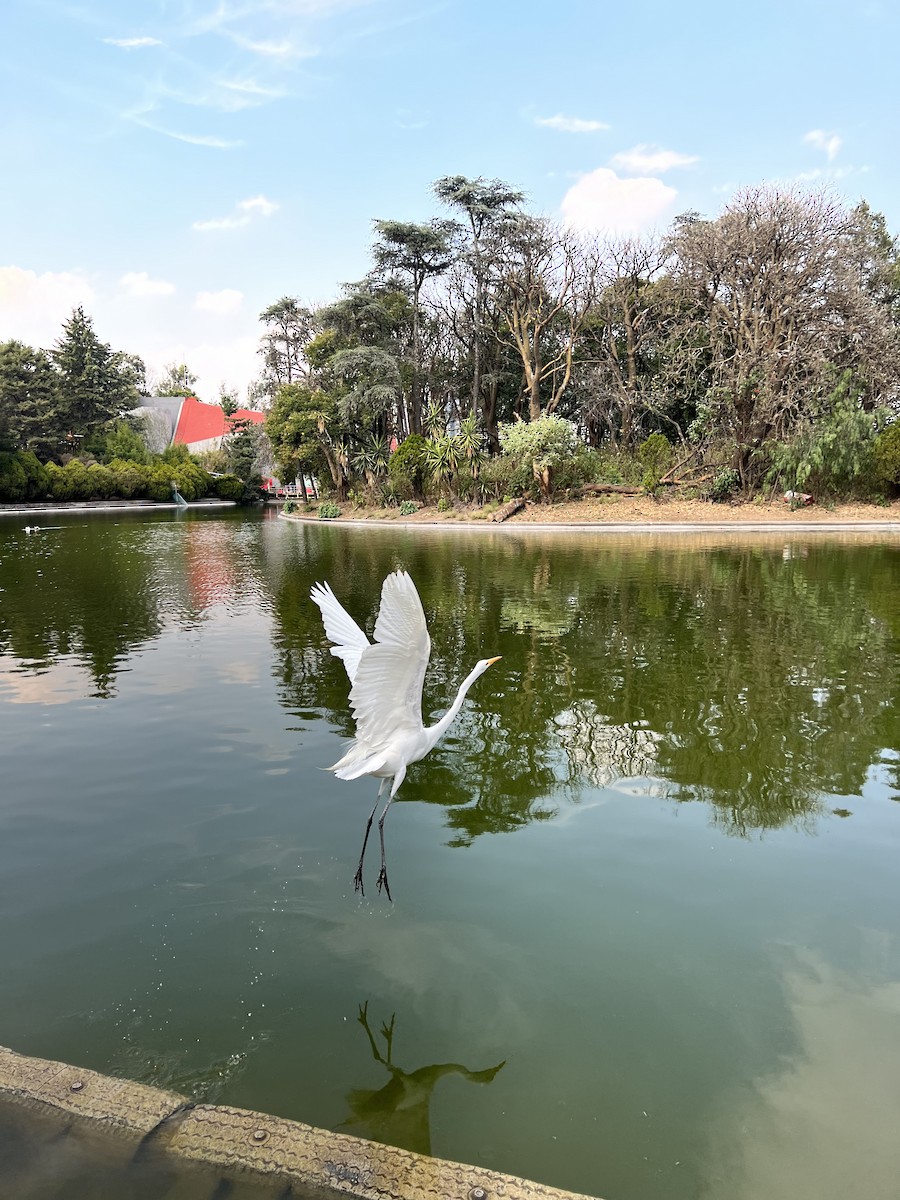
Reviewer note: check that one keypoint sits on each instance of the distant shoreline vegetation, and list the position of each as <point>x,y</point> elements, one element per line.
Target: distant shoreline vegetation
<point>491,354</point>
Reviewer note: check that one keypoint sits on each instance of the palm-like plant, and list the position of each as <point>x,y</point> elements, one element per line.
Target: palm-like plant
<point>370,459</point>
<point>442,456</point>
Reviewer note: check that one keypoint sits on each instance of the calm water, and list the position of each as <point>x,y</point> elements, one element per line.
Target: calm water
<point>646,933</point>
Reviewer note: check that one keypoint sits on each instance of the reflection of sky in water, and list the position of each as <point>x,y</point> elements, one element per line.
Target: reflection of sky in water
<point>824,1122</point>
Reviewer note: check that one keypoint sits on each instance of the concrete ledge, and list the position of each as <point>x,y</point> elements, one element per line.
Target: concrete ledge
<point>244,1144</point>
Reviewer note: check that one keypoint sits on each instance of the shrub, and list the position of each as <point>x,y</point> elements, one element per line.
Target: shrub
<point>407,465</point>
<point>100,482</point>
<point>289,506</point>
<point>328,511</point>
<point>545,445</point>
<point>228,487</point>
<point>655,455</point>
<point>22,477</point>
<point>886,455</point>
<point>444,505</point>
<point>836,453</point>
<point>408,507</point>
<point>129,479</point>
<point>725,484</point>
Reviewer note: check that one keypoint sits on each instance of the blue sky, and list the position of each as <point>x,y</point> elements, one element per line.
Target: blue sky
<point>177,165</point>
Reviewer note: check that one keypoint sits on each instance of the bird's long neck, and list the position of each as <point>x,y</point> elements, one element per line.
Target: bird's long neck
<point>436,732</point>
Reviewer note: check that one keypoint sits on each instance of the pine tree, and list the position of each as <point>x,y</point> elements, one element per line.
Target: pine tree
<point>29,400</point>
<point>94,389</point>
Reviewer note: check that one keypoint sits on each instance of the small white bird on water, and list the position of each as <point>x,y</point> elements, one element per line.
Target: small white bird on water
<point>386,692</point>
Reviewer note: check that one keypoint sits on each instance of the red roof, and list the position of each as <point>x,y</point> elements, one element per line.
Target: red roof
<point>199,422</point>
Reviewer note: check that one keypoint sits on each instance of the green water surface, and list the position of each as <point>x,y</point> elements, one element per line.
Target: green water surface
<point>645,937</point>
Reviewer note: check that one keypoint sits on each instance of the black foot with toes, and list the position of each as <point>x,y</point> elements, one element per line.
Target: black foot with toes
<point>383,883</point>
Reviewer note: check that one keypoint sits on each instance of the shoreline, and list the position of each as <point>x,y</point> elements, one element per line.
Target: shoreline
<point>638,514</point>
<point>105,506</point>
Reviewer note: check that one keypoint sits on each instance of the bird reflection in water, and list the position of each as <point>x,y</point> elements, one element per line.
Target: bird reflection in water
<point>398,1114</point>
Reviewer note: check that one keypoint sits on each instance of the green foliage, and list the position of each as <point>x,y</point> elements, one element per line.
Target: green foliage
<point>178,380</point>
<point>444,505</point>
<point>834,454</point>
<point>289,506</point>
<point>546,442</point>
<point>176,454</point>
<point>124,442</point>
<point>544,446</point>
<point>408,507</point>
<point>328,511</point>
<point>726,483</point>
<point>29,399</point>
<point>95,384</point>
<point>408,464</point>
<point>886,455</point>
<point>21,477</point>
<point>228,487</point>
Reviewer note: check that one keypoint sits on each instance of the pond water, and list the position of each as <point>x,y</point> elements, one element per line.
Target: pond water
<point>645,938</point>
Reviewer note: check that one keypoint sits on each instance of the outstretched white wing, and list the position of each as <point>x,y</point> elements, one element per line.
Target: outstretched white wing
<point>340,628</point>
<point>386,696</point>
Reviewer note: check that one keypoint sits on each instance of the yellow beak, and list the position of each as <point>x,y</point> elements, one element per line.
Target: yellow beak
<point>491,661</point>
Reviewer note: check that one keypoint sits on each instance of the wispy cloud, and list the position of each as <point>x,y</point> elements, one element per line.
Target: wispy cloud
<point>828,174</point>
<point>222,303</point>
<point>650,160</point>
<point>244,212</point>
<point>603,202</point>
<point>280,49</point>
<point>249,87</point>
<point>571,124</point>
<point>138,115</point>
<point>407,118</point>
<point>132,43</point>
<point>139,283</point>
<point>823,140</point>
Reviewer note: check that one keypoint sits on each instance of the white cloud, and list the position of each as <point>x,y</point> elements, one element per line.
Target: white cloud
<point>244,212</point>
<point>134,43</point>
<point>258,204</point>
<point>571,124</point>
<point>601,201</point>
<point>139,283</point>
<point>822,140</point>
<point>33,307</point>
<point>222,303</point>
<point>650,160</point>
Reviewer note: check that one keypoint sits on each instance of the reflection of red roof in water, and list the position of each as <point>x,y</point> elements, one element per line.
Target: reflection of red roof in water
<point>198,422</point>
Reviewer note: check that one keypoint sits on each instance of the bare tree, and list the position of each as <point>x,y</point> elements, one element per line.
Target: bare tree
<point>782,309</point>
<point>544,280</point>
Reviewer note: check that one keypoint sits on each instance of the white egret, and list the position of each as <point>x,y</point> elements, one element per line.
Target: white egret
<point>386,692</point>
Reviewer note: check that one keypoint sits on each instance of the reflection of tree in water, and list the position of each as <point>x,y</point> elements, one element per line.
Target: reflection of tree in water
<point>85,593</point>
<point>747,679</point>
<point>97,591</point>
<point>399,1113</point>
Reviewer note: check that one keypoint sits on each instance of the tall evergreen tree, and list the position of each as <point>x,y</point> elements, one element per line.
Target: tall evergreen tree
<point>29,400</point>
<point>94,387</point>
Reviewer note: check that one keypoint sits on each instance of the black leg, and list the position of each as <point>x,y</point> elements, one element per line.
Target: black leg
<point>358,878</point>
<point>382,874</point>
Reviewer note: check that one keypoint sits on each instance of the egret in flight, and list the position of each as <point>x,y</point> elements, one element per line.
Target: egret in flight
<point>386,693</point>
